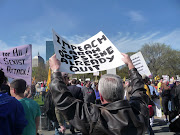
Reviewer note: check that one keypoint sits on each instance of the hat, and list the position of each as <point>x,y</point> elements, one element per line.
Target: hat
<point>64,74</point>
<point>18,84</point>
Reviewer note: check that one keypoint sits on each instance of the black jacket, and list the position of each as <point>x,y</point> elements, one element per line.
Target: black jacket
<point>88,95</point>
<point>76,91</point>
<point>122,117</point>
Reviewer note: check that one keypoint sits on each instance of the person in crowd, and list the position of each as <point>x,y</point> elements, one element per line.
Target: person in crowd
<point>77,93</point>
<point>79,84</point>
<point>177,94</point>
<point>98,101</point>
<point>159,84</point>
<point>159,90</point>
<point>154,95</point>
<point>38,89</point>
<point>27,92</point>
<point>165,93</point>
<point>146,79</point>
<point>5,87</point>
<point>153,91</point>
<point>88,93</point>
<point>33,90</point>
<point>31,108</point>
<point>12,116</point>
<point>115,116</point>
<point>60,127</point>
<point>43,90</point>
<point>172,95</point>
<point>155,86</point>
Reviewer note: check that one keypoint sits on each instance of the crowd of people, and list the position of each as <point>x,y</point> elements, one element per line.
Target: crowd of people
<point>110,106</point>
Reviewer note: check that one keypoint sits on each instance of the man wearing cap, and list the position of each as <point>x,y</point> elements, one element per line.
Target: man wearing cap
<point>12,116</point>
<point>31,108</point>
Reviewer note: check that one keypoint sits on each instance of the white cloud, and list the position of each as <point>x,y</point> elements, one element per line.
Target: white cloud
<point>171,38</point>
<point>131,42</point>
<point>136,16</point>
<point>38,42</point>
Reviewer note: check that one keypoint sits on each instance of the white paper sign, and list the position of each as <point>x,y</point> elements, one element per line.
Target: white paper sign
<point>96,74</point>
<point>165,77</point>
<point>16,63</point>
<point>140,64</point>
<point>95,54</point>
<point>111,71</point>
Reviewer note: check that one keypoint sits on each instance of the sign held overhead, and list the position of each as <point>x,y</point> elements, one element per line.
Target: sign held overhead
<point>95,54</point>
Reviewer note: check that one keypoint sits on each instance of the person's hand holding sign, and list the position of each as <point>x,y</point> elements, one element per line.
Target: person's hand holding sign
<point>127,61</point>
<point>54,63</point>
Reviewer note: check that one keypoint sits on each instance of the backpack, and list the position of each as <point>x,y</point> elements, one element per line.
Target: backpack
<point>49,107</point>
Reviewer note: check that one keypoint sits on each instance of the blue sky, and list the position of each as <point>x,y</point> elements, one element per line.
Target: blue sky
<point>128,24</point>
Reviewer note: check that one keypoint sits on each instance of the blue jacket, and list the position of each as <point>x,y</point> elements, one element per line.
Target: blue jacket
<point>12,116</point>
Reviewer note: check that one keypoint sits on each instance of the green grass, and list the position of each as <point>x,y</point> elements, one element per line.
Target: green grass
<point>39,100</point>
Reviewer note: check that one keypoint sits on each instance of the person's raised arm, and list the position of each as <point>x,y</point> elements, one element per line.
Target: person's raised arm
<point>127,61</point>
<point>137,83</point>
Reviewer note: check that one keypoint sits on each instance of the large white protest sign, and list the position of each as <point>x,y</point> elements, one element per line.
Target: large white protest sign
<point>140,64</point>
<point>95,54</point>
<point>16,63</point>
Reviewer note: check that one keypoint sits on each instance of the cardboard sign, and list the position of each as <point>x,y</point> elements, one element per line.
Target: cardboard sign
<point>16,63</point>
<point>95,54</point>
<point>140,64</point>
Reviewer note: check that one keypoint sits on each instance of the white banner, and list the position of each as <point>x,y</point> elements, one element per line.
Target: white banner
<point>95,54</point>
<point>16,63</point>
<point>140,64</point>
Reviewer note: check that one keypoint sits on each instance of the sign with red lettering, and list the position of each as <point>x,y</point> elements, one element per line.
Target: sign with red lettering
<point>95,54</point>
<point>16,62</point>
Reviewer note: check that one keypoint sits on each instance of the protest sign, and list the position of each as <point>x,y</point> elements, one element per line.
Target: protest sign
<point>16,63</point>
<point>95,54</point>
<point>96,74</point>
<point>165,77</point>
<point>140,64</point>
<point>111,71</point>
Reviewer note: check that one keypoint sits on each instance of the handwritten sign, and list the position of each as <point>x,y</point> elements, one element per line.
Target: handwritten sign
<point>140,64</point>
<point>16,63</point>
<point>95,54</point>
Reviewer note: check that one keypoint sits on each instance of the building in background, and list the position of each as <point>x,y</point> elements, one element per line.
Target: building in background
<point>37,61</point>
<point>49,49</point>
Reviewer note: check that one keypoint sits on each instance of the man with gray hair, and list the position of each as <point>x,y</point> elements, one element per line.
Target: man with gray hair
<point>115,116</point>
